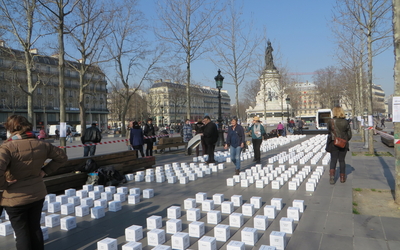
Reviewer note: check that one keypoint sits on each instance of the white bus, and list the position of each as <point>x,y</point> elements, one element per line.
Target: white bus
<point>322,117</point>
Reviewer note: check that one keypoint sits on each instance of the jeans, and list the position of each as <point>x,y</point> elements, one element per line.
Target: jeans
<point>338,154</point>
<point>69,138</point>
<point>256,147</point>
<point>25,221</point>
<point>235,155</point>
<point>89,149</point>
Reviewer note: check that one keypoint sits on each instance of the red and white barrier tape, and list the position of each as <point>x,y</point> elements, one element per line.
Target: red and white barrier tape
<point>110,142</point>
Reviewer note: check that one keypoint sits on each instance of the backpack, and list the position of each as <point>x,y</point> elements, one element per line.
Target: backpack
<point>109,176</point>
<point>89,167</point>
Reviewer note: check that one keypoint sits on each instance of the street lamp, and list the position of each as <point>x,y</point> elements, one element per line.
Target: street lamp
<point>287,105</point>
<point>365,128</point>
<point>219,79</point>
<point>162,116</point>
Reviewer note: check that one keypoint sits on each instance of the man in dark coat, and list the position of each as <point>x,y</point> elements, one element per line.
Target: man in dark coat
<point>210,135</point>
<point>149,130</point>
<point>91,135</point>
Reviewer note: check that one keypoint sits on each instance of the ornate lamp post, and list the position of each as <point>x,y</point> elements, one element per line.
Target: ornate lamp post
<point>162,116</point>
<point>219,81</point>
<point>287,105</point>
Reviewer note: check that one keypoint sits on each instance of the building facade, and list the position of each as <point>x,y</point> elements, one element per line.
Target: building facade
<point>167,102</point>
<point>46,97</point>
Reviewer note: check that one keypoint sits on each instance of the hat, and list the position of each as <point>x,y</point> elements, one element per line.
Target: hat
<point>207,117</point>
<point>256,118</point>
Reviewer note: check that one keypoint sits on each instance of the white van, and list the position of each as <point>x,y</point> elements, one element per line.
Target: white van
<point>53,128</point>
<point>79,128</point>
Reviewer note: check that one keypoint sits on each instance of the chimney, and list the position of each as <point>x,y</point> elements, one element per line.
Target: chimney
<point>34,51</point>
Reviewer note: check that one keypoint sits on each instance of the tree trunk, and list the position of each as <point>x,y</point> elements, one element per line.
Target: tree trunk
<point>82,108</point>
<point>369,95</point>
<point>396,27</point>
<point>188,111</point>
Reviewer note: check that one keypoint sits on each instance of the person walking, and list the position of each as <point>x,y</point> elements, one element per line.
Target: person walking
<point>149,130</point>
<point>383,123</point>
<point>199,130</point>
<point>69,135</point>
<point>187,133</point>
<point>338,126</point>
<point>136,138</point>
<point>257,131</point>
<point>280,129</point>
<point>300,125</point>
<point>210,135</point>
<point>90,136</point>
<point>57,134</point>
<point>42,134</point>
<point>235,142</point>
<point>22,167</point>
<point>128,135</point>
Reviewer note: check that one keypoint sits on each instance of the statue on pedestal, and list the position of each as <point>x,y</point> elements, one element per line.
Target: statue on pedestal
<point>269,60</point>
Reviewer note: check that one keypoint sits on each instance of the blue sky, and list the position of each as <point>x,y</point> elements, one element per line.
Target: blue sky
<point>299,32</point>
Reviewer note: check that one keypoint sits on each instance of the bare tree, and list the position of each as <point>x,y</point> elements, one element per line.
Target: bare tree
<point>235,48</point>
<point>372,17</point>
<point>188,24</point>
<point>129,52</point>
<point>328,87</point>
<point>57,11</point>
<point>22,25</point>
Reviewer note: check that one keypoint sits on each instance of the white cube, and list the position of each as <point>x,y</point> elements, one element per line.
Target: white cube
<point>286,225</point>
<point>110,189</point>
<point>260,222</point>
<point>222,232</point>
<point>99,188</point>
<point>129,177</point>
<point>278,240</point>
<point>114,206</point>
<point>189,203</point>
<point>155,237</point>
<point>52,220</point>
<point>244,183</point>
<point>154,222</point>
<point>148,193</point>
<point>172,179</point>
<point>174,212</point>
<point>265,247</point>
<point>76,200</point>
<point>88,187</point>
<point>270,211</point>
<point>132,246</point>
<point>275,184</point>
<point>81,211</point>
<point>134,233</point>
<point>120,197</point>
<point>67,209</point>
<point>248,209</point>
<point>310,186</point>
<point>196,229</point>
<point>180,241</point>
<point>200,197</point>
<point>133,199</point>
<point>54,207</point>
<point>70,192</point>
<point>87,202</point>
<point>237,200</point>
<point>292,185</point>
<point>256,201</point>
<point>227,207</point>
<point>293,213</point>
<point>277,202</point>
<point>218,199</point>
<point>68,223</point>
<point>82,193</point>
<point>42,218</point>
<point>149,178</point>
<point>6,228</point>
<point>213,217</point>
<point>235,245</point>
<point>207,205</point>
<point>260,183</point>
<point>97,212</point>
<point>108,196</point>
<point>107,244</point>
<point>236,220</point>
<point>100,203</point>
<point>183,180</point>
<point>63,199</point>
<point>207,243</point>
<point>95,195</point>
<point>174,226</point>
<point>134,191</point>
<point>193,214</point>
<point>45,232</point>
<point>299,204</point>
<point>249,236</point>
<point>122,190</point>
<point>50,198</point>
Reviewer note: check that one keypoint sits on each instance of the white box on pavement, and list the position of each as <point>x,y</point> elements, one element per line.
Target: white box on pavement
<point>286,225</point>
<point>107,244</point>
<point>249,236</point>
<point>54,207</point>
<point>265,247</point>
<point>193,214</point>
<point>200,197</point>
<point>196,229</point>
<point>294,213</point>
<point>76,200</point>
<point>248,209</point>
<point>148,193</point>
<point>174,212</point>
<point>277,240</point>
<point>277,202</point>
<point>256,201</point>
<point>207,243</point>
<point>114,206</point>
<point>235,245</point>
<point>270,211</point>
<point>67,208</point>
<point>207,205</point>
<point>132,246</point>
<point>236,220</point>
<point>222,232</point>
<point>97,212</point>
<point>237,200</point>
<point>299,204</point>
<point>133,199</point>
<point>87,202</point>
<point>134,233</point>
<point>6,228</point>
<point>189,203</point>
<point>155,237</point>
<point>99,188</point>
<point>260,222</point>
<point>218,199</point>
<point>52,220</point>
<point>173,226</point>
<point>68,223</point>
<point>227,207</point>
<point>154,222</point>
<point>213,217</point>
<point>120,197</point>
<point>180,241</point>
<point>134,191</point>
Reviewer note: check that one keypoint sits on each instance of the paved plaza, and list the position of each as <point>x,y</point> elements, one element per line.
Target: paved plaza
<point>326,224</point>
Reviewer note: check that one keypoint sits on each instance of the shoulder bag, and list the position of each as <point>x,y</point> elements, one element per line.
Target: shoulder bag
<point>338,142</point>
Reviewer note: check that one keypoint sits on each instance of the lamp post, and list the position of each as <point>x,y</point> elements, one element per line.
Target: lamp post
<point>162,116</point>
<point>365,127</point>
<point>287,106</point>
<point>219,81</point>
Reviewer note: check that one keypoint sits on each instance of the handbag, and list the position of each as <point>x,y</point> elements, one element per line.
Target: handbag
<point>338,142</point>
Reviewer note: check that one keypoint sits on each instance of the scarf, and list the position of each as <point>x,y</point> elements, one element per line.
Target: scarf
<point>17,136</point>
<point>257,129</point>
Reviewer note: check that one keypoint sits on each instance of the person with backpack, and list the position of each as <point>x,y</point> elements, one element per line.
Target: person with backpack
<point>137,138</point>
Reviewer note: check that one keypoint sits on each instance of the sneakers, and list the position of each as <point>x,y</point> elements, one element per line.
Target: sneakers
<point>237,171</point>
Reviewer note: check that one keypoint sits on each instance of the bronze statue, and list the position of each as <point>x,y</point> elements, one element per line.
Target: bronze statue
<point>269,60</point>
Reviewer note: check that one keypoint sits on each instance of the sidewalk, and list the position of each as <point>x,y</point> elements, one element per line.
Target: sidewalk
<point>326,224</point>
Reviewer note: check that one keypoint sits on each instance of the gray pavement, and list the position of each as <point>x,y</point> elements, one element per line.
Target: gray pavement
<point>326,224</point>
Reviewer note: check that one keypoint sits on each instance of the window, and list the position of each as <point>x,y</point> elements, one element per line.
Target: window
<point>1,61</point>
<point>39,91</point>
<point>50,91</point>
<point>68,73</point>
<point>48,69</point>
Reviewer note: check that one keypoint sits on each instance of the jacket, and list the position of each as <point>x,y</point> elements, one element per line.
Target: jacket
<point>187,132</point>
<point>136,137</point>
<point>24,160</point>
<point>235,137</point>
<point>253,135</point>
<point>91,134</point>
<point>210,133</point>
<point>149,130</point>
<point>342,130</point>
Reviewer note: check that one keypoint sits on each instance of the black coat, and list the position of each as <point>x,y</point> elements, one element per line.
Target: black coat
<point>149,130</point>
<point>210,133</point>
<point>342,130</point>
